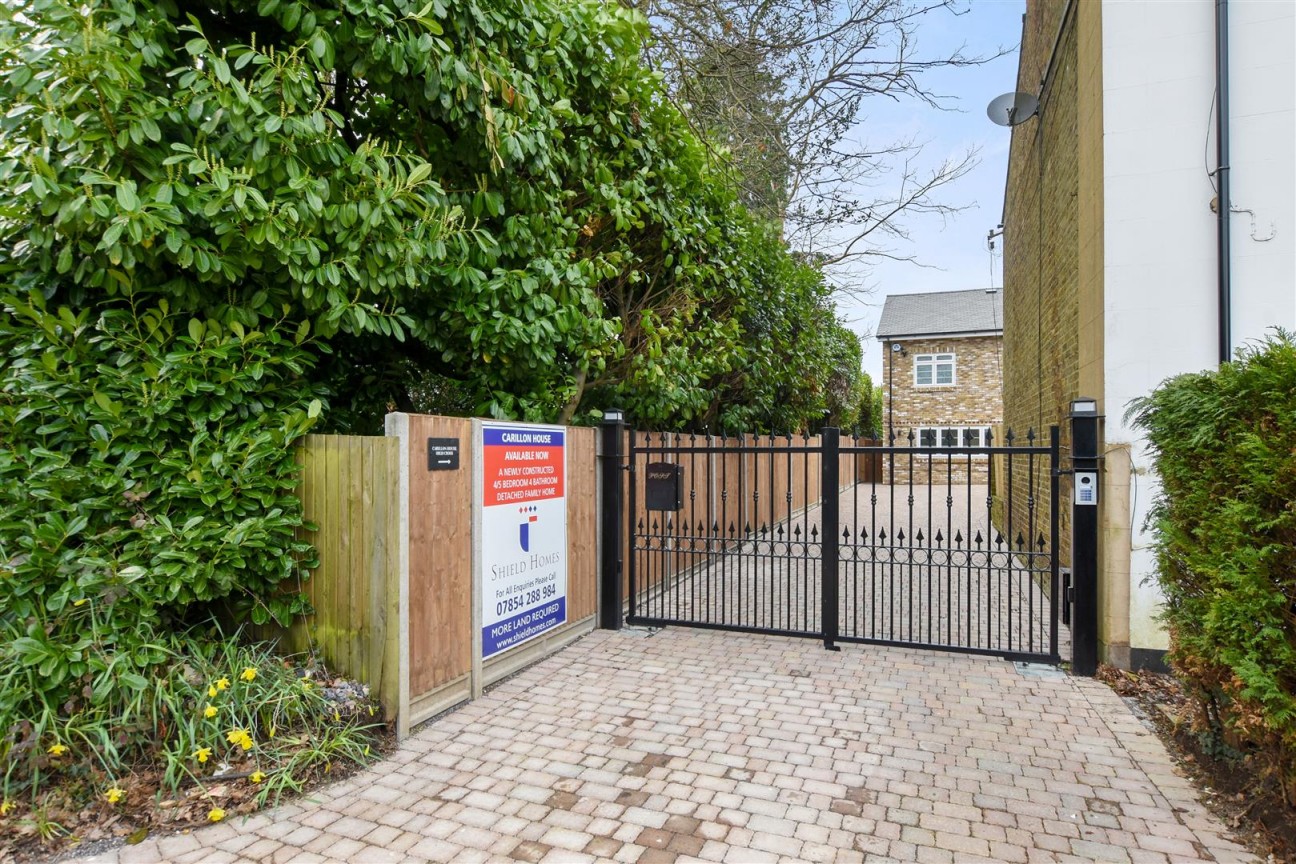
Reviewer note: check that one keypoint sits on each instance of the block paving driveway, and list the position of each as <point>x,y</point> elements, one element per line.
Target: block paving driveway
<point>695,745</point>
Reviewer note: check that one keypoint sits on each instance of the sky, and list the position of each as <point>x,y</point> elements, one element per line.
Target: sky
<point>952,250</point>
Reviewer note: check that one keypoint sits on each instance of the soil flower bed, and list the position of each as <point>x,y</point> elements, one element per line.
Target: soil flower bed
<point>225,731</point>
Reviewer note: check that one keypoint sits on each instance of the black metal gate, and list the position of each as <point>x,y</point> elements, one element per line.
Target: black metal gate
<point>942,547</point>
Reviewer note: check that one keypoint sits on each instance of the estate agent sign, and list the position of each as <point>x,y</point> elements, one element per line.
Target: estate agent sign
<point>523,538</point>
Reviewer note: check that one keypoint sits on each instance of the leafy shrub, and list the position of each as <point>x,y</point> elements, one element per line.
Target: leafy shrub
<point>1225,450</point>
<point>146,477</point>
<point>493,194</point>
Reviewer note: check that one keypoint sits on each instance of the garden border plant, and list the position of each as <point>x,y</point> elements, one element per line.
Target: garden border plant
<point>147,484</point>
<point>1224,448</point>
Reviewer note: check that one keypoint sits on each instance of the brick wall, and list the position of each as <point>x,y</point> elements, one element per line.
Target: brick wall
<point>1041,248</point>
<point>973,400</point>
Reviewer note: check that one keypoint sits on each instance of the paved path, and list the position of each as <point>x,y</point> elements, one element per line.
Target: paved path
<point>692,744</point>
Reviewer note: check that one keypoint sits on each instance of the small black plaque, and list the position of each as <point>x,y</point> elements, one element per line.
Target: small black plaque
<point>664,486</point>
<point>443,454</point>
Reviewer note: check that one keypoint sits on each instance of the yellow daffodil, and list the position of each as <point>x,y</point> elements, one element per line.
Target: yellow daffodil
<point>257,776</point>
<point>57,749</point>
<point>202,754</point>
<point>240,737</point>
<point>272,731</point>
<point>210,711</point>
<point>211,692</point>
<point>7,806</point>
<point>306,683</point>
<point>114,795</point>
<point>215,814</point>
<point>337,718</point>
<point>249,674</point>
<point>80,602</point>
<point>222,684</point>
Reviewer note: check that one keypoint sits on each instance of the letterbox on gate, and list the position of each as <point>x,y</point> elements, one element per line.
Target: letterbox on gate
<point>664,486</point>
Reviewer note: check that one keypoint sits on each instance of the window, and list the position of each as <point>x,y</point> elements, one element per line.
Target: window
<point>930,369</point>
<point>954,436</point>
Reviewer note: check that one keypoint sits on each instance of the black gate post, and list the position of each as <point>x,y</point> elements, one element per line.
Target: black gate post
<point>1084,536</point>
<point>610,594</point>
<point>1057,589</point>
<point>830,496</point>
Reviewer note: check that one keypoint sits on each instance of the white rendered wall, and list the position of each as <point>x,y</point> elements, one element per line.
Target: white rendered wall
<point>1160,280</point>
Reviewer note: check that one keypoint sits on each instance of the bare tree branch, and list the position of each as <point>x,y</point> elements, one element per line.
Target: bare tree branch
<point>780,89</point>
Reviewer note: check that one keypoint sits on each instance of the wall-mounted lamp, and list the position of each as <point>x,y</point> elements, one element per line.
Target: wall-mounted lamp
<point>897,351</point>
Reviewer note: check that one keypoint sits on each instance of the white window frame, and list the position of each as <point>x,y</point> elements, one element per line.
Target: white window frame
<point>958,431</point>
<point>935,361</point>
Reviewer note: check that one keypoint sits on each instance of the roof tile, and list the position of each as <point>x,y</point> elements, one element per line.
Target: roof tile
<point>941,313</point>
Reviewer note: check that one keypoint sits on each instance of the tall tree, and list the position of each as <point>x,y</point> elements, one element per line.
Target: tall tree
<point>735,101</point>
<point>790,83</point>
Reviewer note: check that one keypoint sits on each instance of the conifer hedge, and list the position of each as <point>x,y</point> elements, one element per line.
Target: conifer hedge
<point>1224,444</point>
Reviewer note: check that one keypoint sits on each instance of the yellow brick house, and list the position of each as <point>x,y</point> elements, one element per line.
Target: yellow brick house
<point>942,376</point>
<point>1148,232</point>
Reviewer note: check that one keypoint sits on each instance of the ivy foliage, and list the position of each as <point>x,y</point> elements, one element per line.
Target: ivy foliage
<point>494,194</point>
<point>1224,444</point>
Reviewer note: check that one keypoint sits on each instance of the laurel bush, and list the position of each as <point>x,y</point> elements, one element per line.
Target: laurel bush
<point>147,479</point>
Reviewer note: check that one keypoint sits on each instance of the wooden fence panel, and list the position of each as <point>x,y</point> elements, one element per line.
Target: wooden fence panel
<point>868,466</point>
<point>582,525</point>
<point>349,486</point>
<point>440,559</point>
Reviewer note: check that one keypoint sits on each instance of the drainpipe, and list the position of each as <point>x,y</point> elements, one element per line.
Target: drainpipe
<point>1222,174</point>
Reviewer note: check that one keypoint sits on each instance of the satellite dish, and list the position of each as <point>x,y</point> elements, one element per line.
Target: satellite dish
<point>1010,109</point>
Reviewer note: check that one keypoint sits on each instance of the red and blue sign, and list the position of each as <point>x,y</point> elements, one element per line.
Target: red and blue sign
<point>523,541</point>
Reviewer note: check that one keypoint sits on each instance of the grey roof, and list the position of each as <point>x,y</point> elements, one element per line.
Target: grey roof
<point>941,313</point>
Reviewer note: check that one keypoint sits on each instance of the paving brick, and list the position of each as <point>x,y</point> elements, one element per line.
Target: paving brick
<point>434,849</point>
<point>529,850</point>
<point>258,851</point>
<point>703,745</point>
<point>961,844</point>
<point>1099,851</point>
<point>602,847</point>
<point>944,823</point>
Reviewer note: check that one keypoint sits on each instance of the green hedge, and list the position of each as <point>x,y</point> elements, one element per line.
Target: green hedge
<point>1225,522</point>
<point>147,479</point>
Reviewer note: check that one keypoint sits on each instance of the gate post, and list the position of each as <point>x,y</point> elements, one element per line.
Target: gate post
<point>1084,536</point>
<point>830,497</point>
<point>610,593</point>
